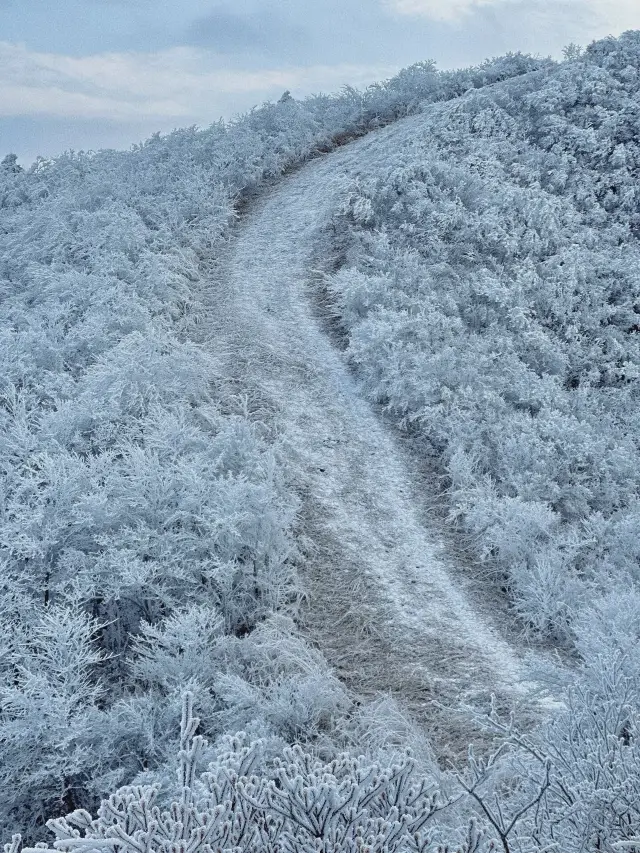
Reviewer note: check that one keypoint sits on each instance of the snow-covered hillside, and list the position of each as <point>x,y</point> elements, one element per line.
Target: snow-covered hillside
<point>201,508</point>
<point>490,291</point>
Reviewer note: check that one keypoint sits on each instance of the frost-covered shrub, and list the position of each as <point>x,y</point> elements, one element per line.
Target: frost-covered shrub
<point>582,766</point>
<point>268,682</point>
<point>572,785</point>
<point>52,719</point>
<point>245,802</point>
<point>491,301</point>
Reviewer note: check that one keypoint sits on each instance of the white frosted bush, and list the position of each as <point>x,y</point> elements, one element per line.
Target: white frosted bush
<point>589,754</point>
<point>294,803</point>
<point>490,296</point>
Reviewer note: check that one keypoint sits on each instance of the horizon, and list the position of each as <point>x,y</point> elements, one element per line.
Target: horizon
<point>110,73</point>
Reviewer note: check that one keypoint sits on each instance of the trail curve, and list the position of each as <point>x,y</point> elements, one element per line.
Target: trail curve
<point>384,606</point>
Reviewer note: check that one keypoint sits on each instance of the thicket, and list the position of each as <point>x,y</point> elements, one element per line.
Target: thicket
<point>573,786</point>
<point>491,301</point>
<point>145,515</point>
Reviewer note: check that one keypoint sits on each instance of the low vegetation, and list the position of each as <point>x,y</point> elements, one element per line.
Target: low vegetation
<point>146,514</point>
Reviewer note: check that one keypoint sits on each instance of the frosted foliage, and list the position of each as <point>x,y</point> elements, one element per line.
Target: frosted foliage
<point>296,803</point>
<point>50,716</point>
<point>269,682</point>
<point>146,513</point>
<point>491,300</point>
<point>584,764</point>
<point>573,786</point>
<point>141,500</point>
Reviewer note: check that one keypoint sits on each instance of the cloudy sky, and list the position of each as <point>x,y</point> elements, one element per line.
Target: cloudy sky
<point>106,73</point>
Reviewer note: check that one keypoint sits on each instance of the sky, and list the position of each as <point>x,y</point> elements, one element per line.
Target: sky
<point>90,74</point>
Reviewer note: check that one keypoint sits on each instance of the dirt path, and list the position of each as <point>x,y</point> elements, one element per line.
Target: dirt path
<point>385,606</point>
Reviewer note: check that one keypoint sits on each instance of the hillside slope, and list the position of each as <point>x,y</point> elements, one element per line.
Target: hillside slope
<point>489,296</point>
<point>440,315</point>
<point>146,528</point>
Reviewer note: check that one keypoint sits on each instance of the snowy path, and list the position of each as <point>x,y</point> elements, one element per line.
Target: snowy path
<point>385,608</point>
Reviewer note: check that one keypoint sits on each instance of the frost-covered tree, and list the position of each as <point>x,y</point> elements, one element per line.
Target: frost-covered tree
<point>9,164</point>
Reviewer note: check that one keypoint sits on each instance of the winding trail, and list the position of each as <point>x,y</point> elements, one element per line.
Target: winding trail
<point>385,606</point>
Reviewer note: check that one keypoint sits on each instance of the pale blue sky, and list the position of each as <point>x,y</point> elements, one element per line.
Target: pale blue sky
<point>106,73</point>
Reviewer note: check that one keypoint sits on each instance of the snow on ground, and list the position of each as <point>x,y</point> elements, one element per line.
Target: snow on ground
<point>386,604</point>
